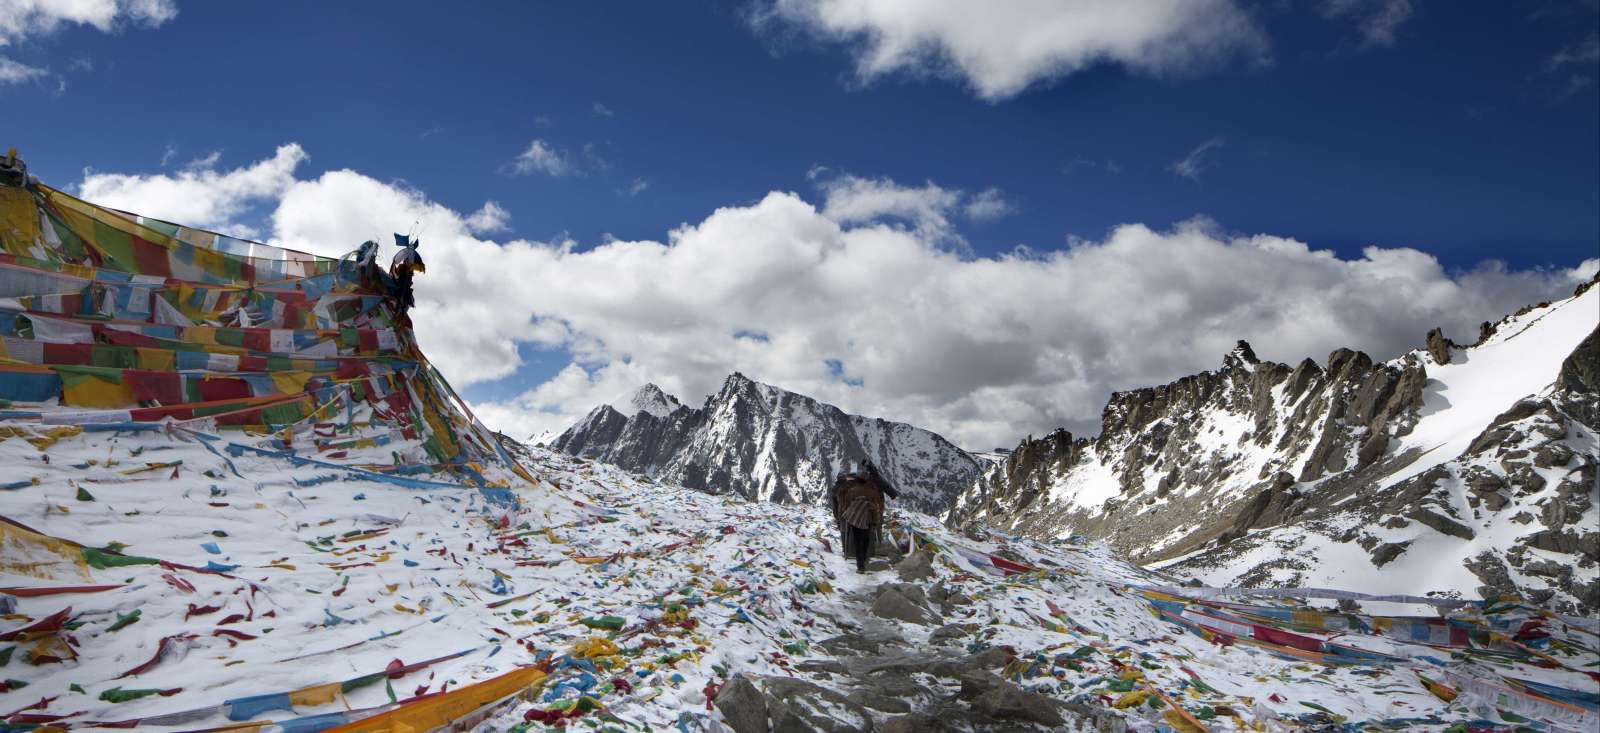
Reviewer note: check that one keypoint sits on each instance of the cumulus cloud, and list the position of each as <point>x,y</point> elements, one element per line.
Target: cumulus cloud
<point>1378,21</point>
<point>989,204</point>
<point>16,72</point>
<point>20,19</point>
<point>540,158</point>
<point>603,111</point>
<point>198,195</point>
<point>491,217</point>
<point>1198,160</point>
<point>883,319</point>
<point>1001,49</point>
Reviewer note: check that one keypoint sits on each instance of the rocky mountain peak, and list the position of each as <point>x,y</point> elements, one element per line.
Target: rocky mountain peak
<point>650,399</point>
<point>1266,474</point>
<point>764,442</point>
<point>1242,357</point>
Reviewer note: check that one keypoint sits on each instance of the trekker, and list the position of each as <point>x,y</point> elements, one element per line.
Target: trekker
<point>857,501</point>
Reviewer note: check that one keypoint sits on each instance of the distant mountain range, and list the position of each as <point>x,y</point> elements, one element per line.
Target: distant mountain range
<point>1458,469</point>
<point>765,443</point>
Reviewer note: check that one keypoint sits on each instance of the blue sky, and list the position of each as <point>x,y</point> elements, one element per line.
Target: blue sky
<point>1468,133</point>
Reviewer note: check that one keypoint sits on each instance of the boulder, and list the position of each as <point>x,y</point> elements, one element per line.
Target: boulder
<point>743,705</point>
<point>1007,701</point>
<point>893,603</point>
<point>1552,455</point>
<point>1442,523</point>
<point>917,566</point>
<point>1387,552</point>
<point>913,723</point>
<point>1439,346</point>
<point>947,633</point>
<point>797,706</point>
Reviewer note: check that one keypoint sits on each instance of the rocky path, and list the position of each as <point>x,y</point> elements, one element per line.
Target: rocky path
<point>902,666</point>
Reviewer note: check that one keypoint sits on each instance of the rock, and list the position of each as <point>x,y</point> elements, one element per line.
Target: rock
<point>1526,481</point>
<point>1387,552</point>
<point>892,603</point>
<point>1524,409</point>
<point>1438,346</point>
<point>1010,702</point>
<point>797,706</point>
<point>917,566</point>
<point>1580,372</point>
<point>1554,515</point>
<point>1442,523</point>
<point>979,663</point>
<point>913,723</point>
<point>1489,438</point>
<point>743,705</point>
<point>1552,456</point>
<point>1372,448</point>
<point>1492,571</point>
<point>1522,518</point>
<point>1547,569</point>
<point>883,703</point>
<point>1484,482</point>
<point>870,640</point>
<point>947,633</point>
<point>822,666</point>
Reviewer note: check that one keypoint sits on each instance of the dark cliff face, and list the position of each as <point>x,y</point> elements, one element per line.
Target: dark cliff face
<point>765,443</point>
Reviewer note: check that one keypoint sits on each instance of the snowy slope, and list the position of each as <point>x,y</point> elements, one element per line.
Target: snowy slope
<point>298,598</point>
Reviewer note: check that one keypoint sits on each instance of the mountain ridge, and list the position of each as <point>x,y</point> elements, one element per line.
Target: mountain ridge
<point>765,443</point>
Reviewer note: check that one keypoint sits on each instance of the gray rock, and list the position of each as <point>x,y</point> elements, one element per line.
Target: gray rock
<point>1554,514</point>
<point>1525,480</point>
<point>913,723</point>
<point>917,566</point>
<point>947,633</point>
<point>797,706</point>
<point>1387,552</point>
<point>879,702</point>
<point>1442,523</point>
<point>1439,346</point>
<point>1493,572</point>
<point>822,666</point>
<point>743,705</point>
<point>892,603</point>
<point>1007,701</point>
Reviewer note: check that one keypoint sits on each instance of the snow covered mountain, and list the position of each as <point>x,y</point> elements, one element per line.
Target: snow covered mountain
<point>765,443</point>
<point>1462,470</point>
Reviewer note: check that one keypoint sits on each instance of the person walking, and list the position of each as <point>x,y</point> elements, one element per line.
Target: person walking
<point>857,500</point>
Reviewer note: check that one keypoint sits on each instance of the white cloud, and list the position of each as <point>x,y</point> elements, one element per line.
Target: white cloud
<point>20,19</point>
<point>982,349</point>
<point>855,200</point>
<point>1378,21</point>
<point>209,160</point>
<point>198,195</point>
<point>168,154</point>
<point>491,217</point>
<point>999,49</point>
<point>989,204</point>
<point>16,72</point>
<point>1198,160</point>
<point>540,158</point>
<point>603,110</point>
<point>1577,64</point>
<point>636,187</point>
